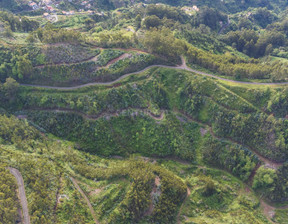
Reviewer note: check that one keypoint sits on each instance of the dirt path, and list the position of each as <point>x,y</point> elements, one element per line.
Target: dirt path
<point>180,210</point>
<point>135,112</point>
<point>180,67</point>
<point>86,199</point>
<point>22,195</point>
<point>94,58</point>
<point>121,57</point>
<point>267,162</point>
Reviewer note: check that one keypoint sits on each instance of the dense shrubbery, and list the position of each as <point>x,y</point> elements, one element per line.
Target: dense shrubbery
<point>237,160</point>
<point>42,174</point>
<point>50,34</point>
<point>230,115</point>
<point>278,105</point>
<point>8,197</point>
<point>272,183</point>
<point>14,131</point>
<point>15,23</point>
<point>139,134</point>
<point>67,53</point>
<point>254,45</point>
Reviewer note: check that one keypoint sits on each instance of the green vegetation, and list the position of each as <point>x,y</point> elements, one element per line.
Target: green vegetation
<point>9,201</point>
<point>152,142</point>
<point>51,158</point>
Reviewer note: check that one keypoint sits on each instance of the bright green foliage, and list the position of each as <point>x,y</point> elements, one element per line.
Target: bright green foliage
<point>264,178</point>
<point>8,197</point>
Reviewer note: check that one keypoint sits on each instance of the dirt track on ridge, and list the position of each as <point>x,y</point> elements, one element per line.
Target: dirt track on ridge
<point>22,195</point>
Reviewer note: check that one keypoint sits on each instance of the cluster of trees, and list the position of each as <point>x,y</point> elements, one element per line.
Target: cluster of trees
<point>114,39</point>
<point>264,17</point>
<point>138,198</point>
<point>229,65</point>
<point>17,132</point>
<point>209,17</point>
<point>163,42</point>
<point>278,104</point>
<point>9,89</point>
<point>14,23</point>
<point>239,161</point>
<point>201,38</point>
<point>272,183</point>
<point>15,64</point>
<point>253,44</point>
<point>173,192</point>
<point>50,34</point>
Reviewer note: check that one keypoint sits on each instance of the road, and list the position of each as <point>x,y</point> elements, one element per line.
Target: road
<point>22,195</point>
<point>180,67</point>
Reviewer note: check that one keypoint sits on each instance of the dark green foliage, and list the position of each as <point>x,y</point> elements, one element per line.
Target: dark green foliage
<point>50,34</point>
<point>16,23</point>
<point>173,192</point>
<point>278,105</point>
<point>272,183</point>
<point>210,17</point>
<point>134,134</point>
<point>239,161</point>
<point>209,188</point>
<point>264,17</point>
<point>138,197</point>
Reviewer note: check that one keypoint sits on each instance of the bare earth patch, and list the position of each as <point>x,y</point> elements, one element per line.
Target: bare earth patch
<point>96,192</point>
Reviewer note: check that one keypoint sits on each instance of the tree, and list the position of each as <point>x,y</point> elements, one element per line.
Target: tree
<point>209,188</point>
<point>7,32</point>
<point>31,38</point>
<point>152,21</point>
<point>22,66</point>
<point>10,88</point>
<point>264,178</point>
<point>163,42</point>
<point>137,22</point>
<point>89,23</point>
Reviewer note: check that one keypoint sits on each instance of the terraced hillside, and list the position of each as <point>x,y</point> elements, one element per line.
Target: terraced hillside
<point>134,112</point>
<point>166,113</point>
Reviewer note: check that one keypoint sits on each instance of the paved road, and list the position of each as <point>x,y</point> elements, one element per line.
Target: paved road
<point>22,194</point>
<point>181,67</point>
<point>86,199</point>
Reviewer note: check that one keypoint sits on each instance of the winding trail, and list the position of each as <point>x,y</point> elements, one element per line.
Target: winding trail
<point>86,199</point>
<point>135,112</point>
<point>267,162</point>
<point>180,67</point>
<point>22,195</point>
<point>93,58</point>
<point>183,203</point>
<point>102,115</point>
